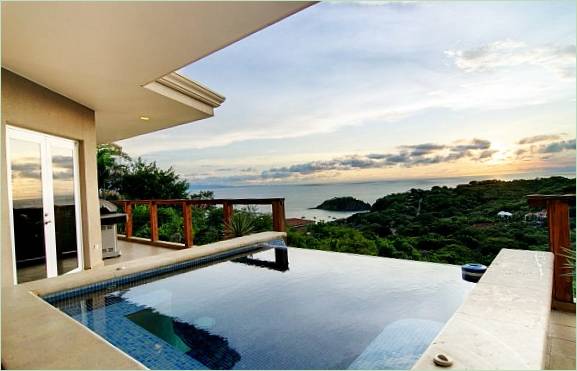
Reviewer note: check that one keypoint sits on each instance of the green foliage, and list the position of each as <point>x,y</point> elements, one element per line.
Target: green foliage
<point>327,236</point>
<point>569,266</point>
<point>248,220</point>
<point>170,224</point>
<point>344,204</point>
<point>207,224</point>
<point>119,176</point>
<point>202,195</point>
<point>111,165</point>
<point>446,225</point>
<point>570,255</point>
<point>141,221</point>
<point>145,180</point>
<point>240,224</point>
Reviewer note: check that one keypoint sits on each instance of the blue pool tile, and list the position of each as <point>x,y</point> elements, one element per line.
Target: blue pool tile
<point>398,346</point>
<point>111,283</point>
<point>149,349</point>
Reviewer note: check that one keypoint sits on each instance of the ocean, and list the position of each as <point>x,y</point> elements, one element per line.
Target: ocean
<point>301,198</point>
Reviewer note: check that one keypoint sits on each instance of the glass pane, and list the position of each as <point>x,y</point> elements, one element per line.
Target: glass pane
<point>64,209</point>
<point>28,211</point>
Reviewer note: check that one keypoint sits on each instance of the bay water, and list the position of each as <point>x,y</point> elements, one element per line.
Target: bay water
<point>300,199</point>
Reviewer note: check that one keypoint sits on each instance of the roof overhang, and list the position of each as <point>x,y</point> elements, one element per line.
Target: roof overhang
<point>118,58</point>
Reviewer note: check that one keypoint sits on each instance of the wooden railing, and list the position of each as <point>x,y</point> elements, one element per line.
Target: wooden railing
<point>278,217</point>
<point>559,240</point>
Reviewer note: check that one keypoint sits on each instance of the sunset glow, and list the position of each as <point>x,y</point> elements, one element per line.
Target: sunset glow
<point>347,92</point>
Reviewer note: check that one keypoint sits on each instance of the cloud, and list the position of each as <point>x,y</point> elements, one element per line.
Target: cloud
<point>336,67</point>
<point>407,156</point>
<point>29,168</point>
<point>376,156</point>
<point>26,168</point>
<point>424,149</point>
<point>543,147</point>
<point>395,4</point>
<point>509,53</point>
<point>473,145</point>
<point>248,170</point>
<point>539,138</point>
<point>555,147</point>
<point>353,77</point>
<point>487,154</point>
<point>521,151</point>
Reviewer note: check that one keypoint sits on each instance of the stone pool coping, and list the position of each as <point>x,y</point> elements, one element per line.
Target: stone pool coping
<point>503,322</point>
<point>36,335</point>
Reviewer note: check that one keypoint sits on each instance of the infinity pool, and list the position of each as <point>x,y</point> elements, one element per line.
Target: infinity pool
<point>278,308</point>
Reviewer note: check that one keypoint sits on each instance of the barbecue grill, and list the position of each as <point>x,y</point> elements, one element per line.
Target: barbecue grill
<point>109,217</point>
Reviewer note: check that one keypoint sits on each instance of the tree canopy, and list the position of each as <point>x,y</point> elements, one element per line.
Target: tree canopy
<point>446,225</point>
<point>344,204</point>
<point>120,176</point>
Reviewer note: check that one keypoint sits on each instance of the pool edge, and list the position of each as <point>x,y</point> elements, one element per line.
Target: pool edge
<point>27,319</point>
<point>503,322</point>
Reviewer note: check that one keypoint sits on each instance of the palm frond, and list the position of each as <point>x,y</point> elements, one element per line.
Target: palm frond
<point>569,254</point>
<point>239,225</point>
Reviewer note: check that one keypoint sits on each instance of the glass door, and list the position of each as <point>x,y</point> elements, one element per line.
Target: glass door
<point>28,239</point>
<point>46,235</point>
<point>65,204</point>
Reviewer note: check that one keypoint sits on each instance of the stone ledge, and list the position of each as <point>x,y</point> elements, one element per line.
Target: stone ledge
<point>69,281</point>
<point>503,323</point>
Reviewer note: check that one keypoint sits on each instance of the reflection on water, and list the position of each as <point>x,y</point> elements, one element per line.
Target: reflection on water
<point>213,351</point>
<point>329,311</point>
<point>194,338</point>
<point>280,263</point>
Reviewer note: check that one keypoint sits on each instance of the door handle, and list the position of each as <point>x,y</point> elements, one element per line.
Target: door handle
<point>47,221</point>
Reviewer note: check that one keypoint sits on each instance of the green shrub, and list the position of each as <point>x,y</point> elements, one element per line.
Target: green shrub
<point>240,224</point>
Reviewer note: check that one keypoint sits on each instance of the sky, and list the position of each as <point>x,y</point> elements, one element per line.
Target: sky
<point>368,91</point>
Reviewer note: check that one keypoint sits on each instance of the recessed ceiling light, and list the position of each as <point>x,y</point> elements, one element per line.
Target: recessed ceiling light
<point>144,118</point>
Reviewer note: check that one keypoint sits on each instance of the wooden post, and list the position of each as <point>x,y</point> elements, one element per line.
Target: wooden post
<point>153,213</point>
<point>227,211</point>
<point>278,216</point>
<point>559,240</point>
<point>128,224</point>
<point>279,220</point>
<point>187,224</point>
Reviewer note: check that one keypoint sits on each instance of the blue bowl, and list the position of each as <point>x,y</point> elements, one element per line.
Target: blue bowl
<point>473,272</point>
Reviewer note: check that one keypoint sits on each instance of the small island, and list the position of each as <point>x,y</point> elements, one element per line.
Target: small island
<point>344,204</point>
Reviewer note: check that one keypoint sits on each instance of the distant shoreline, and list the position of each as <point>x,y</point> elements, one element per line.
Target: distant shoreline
<point>567,173</point>
<point>300,199</point>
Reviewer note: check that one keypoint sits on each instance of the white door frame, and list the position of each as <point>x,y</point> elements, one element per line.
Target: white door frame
<point>46,142</point>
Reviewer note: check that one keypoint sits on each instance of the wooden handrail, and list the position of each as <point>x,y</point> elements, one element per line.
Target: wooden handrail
<point>278,216</point>
<point>187,224</point>
<point>537,200</point>
<point>559,239</point>
<point>216,201</point>
<point>153,214</point>
<point>128,224</point>
<point>227,211</point>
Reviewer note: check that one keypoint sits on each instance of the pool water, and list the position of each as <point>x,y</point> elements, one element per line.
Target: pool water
<point>278,308</point>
